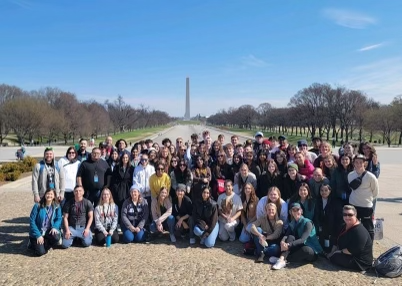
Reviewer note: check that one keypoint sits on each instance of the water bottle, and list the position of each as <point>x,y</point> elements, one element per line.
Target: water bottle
<point>108,240</point>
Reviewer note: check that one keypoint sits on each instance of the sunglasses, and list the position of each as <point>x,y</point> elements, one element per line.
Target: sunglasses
<point>348,214</point>
<point>160,169</point>
<point>182,165</point>
<point>174,161</point>
<point>49,149</point>
<point>144,160</point>
<point>182,150</point>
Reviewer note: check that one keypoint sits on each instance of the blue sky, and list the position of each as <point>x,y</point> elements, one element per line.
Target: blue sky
<point>235,52</point>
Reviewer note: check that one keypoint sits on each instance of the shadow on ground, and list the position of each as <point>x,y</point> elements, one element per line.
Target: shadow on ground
<point>14,236</point>
<point>390,200</point>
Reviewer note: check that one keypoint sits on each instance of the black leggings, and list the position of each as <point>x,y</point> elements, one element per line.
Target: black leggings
<point>101,240</point>
<point>49,242</point>
<point>298,254</point>
<point>345,260</point>
<point>365,216</point>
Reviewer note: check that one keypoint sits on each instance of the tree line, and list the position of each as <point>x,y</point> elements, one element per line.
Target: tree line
<point>321,110</point>
<point>55,114</point>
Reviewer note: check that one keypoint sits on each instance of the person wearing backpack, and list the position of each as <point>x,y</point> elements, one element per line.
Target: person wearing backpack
<point>353,247</point>
<point>48,175</point>
<point>364,186</point>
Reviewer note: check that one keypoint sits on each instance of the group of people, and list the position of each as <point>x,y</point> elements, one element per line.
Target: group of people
<point>285,202</point>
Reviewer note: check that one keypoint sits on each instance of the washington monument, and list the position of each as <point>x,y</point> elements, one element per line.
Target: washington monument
<point>187,114</point>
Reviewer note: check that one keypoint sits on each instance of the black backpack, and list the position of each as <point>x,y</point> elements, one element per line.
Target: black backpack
<point>389,264</point>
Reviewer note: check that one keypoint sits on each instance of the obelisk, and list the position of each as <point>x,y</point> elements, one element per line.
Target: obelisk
<point>187,114</point>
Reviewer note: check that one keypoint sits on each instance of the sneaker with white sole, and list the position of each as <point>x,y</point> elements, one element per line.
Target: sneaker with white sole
<point>192,240</point>
<point>260,258</point>
<point>172,238</point>
<point>279,264</point>
<point>273,259</point>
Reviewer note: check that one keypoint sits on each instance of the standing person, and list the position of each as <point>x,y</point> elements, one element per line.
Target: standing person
<point>91,175</point>
<point>234,139</point>
<point>48,175</point>
<point>267,232</point>
<point>365,189</point>
<point>229,208</point>
<point>242,177</point>
<point>229,150</point>
<point>162,214</point>
<point>77,219</point>
<point>45,223</point>
<point>83,154</point>
<point>121,181</point>
<point>113,159</point>
<point>329,166</point>
<point>205,215</point>
<point>281,162</point>
<point>269,179</point>
<point>182,211</point>
<point>181,175</point>
<point>300,243</point>
<point>317,181</point>
<point>70,165</point>
<point>221,171</point>
<point>109,146</point>
<point>141,176</point>
<point>303,148</point>
<point>257,145</point>
<point>316,145</point>
<point>249,211</point>
<point>339,180</point>
<point>306,169</point>
<point>372,164</point>
<point>251,164</point>
<point>158,181</point>
<point>325,150</point>
<point>306,200</point>
<point>106,218</point>
<point>237,161</point>
<point>291,182</point>
<point>353,247</point>
<point>134,215</point>
<point>121,146</point>
<point>135,156</point>
<point>201,178</point>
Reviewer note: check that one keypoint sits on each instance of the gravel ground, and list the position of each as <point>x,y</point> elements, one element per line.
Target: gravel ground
<point>156,263</point>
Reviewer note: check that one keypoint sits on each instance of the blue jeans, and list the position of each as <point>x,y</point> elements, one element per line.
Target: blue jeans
<point>210,240</point>
<point>270,250</point>
<point>169,222</point>
<point>77,232</point>
<point>129,236</point>
<point>245,236</point>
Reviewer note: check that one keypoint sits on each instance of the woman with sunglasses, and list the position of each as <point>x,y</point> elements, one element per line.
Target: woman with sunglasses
<point>181,175</point>
<point>353,248</point>
<point>220,171</point>
<point>158,181</point>
<point>201,178</point>
<point>70,165</point>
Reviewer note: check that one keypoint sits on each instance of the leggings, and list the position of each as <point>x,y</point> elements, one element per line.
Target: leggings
<point>301,253</point>
<point>101,239</point>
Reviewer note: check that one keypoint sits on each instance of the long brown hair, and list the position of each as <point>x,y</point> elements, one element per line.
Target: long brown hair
<point>253,196</point>
<point>42,202</point>
<point>278,202</point>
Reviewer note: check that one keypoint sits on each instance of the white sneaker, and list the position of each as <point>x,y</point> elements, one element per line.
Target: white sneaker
<point>60,242</point>
<point>279,265</point>
<point>192,240</point>
<point>172,238</point>
<point>118,228</point>
<point>273,259</point>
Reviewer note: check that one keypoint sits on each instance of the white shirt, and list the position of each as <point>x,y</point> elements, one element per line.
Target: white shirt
<point>364,195</point>
<point>237,203</point>
<point>70,173</point>
<point>141,179</point>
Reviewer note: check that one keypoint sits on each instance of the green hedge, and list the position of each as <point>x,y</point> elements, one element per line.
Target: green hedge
<point>12,171</point>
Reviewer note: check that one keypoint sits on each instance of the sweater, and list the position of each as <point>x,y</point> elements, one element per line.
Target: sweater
<point>364,195</point>
<point>106,217</point>
<point>38,216</point>
<point>156,183</point>
<point>157,215</point>
<point>39,180</point>
<point>134,214</point>
<point>266,228</point>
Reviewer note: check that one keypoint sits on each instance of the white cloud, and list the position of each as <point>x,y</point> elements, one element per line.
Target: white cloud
<point>371,47</point>
<point>348,18</point>
<point>381,80</point>
<point>21,3</point>
<point>253,61</point>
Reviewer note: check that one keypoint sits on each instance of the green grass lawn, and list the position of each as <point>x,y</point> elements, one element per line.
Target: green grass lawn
<point>135,135</point>
<point>188,122</point>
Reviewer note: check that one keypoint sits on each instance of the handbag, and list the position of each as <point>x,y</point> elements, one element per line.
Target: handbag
<point>249,248</point>
<point>378,228</point>
<point>355,183</point>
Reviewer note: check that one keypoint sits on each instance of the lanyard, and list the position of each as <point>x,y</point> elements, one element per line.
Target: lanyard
<point>78,210</point>
<point>105,213</point>
<point>49,213</point>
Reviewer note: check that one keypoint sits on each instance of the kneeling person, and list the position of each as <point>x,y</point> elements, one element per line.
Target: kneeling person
<point>106,217</point>
<point>78,215</point>
<point>230,207</point>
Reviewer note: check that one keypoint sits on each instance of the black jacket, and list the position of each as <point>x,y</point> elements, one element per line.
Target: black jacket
<point>121,183</point>
<point>266,181</point>
<point>205,213</point>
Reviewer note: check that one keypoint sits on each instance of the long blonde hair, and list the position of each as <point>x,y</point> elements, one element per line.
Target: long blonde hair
<point>101,202</point>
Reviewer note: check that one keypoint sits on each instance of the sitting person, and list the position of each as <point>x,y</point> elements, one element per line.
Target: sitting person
<point>161,209</point>
<point>77,217</point>
<point>249,211</point>
<point>45,223</point>
<point>134,215</point>
<point>267,231</point>
<point>300,243</point>
<point>274,196</point>
<point>230,207</point>
<point>354,247</point>
<point>106,217</point>
<point>205,215</point>
<point>182,211</point>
